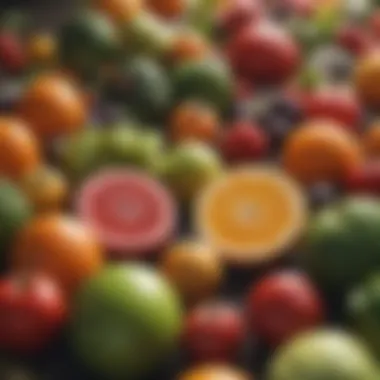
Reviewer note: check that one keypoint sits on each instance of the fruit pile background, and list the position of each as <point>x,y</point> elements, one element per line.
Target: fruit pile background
<point>189,190</point>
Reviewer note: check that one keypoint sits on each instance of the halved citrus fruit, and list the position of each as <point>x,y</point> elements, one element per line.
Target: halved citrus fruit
<point>130,213</point>
<point>252,214</point>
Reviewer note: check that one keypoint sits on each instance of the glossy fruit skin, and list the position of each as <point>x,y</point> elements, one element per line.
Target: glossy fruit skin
<point>333,238</point>
<point>12,55</point>
<point>61,247</point>
<point>365,179</point>
<point>282,305</point>
<point>19,148</point>
<point>38,304</point>
<point>214,332</point>
<point>125,320</point>
<point>53,106</point>
<point>243,142</point>
<point>264,54</point>
<point>214,372</point>
<point>119,11</point>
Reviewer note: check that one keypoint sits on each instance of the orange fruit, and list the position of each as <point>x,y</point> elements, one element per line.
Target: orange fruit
<point>19,150</point>
<point>119,10</point>
<point>367,79</point>
<point>371,141</point>
<point>214,372</point>
<point>189,260</point>
<point>251,215</point>
<point>168,8</point>
<point>59,246</point>
<point>46,188</point>
<point>194,121</point>
<point>321,151</point>
<point>42,48</point>
<point>53,105</point>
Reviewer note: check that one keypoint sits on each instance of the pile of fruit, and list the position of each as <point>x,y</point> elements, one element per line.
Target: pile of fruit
<point>194,181</point>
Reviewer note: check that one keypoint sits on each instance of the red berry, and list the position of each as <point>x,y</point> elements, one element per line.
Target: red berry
<point>264,54</point>
<point>365,179</point>
<point>12,54</point>
<point>243,142</point>
<point>282,305</point>
<point>354,39</point>
<point>214,332</point>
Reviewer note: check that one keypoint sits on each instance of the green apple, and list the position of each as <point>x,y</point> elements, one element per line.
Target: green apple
<point>125,321</point>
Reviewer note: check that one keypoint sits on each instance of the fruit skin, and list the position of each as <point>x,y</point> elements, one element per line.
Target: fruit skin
<point>335,236</point>
<point>282,305</point>
<point>365,179</point>
<point>119,11</point>
<point>35,301</point>
<point>206,80</point>
<point>125,320</point>
<point>59,246</point>
<point>187,260</point>
<point>189,167</point>
<point>12,56</point>
<point>19,148</point>
<point>53,105</point>
<point>214,372</point>
<point>214,332</point>
<point>325,354</point>
<point>354,39</point>
<point>168,8</point>
<point>371,141</point>
<point>243,142</point>
<point>264,54</point>
<point>42,49</point>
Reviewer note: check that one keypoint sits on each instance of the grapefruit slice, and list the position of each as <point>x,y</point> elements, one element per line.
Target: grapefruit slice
<point>251,214</point>
<point>130,212</point>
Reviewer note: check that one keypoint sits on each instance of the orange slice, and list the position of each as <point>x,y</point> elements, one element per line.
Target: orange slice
<point>251,214</point>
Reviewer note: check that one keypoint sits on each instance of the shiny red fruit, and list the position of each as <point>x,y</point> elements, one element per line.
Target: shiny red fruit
<point>335,104</point>
<point>243,142</point>
<point>354,39</point>
<point>214,332</point>
<point>365,179</point>
<point>282,305</point>
<point>12,55</point>
<point>32,310</point>
<point>264,53</point>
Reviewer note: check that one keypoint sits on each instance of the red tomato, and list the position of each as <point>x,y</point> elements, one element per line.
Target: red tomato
<point>214,332</point>
<point>12,55</point>
<point>32,310</point>
<point>365,179</point>
<point>282,305</point>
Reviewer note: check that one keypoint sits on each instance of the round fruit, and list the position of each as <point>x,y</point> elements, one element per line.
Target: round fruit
<point>125,320</point>
<point>119,11</point>
<point>365,179</point>
<point>53,105</point>
<point>282,305</point>
<point>321,151</point>
<point>42,49</point>
<point>335,236</point>
<point>251,215</point>
<point>206,80</point>
<point>354,39</point>
<point>19,150</point>
<point>168,8</point>
<point>214,372</point>
<point>214,332</point>
<point>371,141</point>
<point>325,354</point>
<point>189,260</point>
<point>194,120</point>
<point>59,246</point>
<point>243,142</point>
<point>46,189</point>
<point>189,167</point>
<point>129,212</point>
<point>12,55</point>
<point>264,53</point>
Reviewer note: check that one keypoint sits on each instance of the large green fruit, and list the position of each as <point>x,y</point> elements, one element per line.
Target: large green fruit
<point>208,80</point>
<point>323,355</point>
<point>125,320</point>
<point>342,243</point>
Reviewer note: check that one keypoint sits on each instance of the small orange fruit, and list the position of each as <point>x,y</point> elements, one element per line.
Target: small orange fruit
<point>42,48</point>
<point>214,372</point>
<point>371,141</point>
<point>194,120</point>
<point>19,150</point>
<point>190,260</point>
<point>168,8</point>
<point>59,246</point>
<point>53,105</point>
<point>119,10</point>
<point>46,188</point>
<point>251,215</point>
<point>321,151</point>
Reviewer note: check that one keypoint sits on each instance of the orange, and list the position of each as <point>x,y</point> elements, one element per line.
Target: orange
<point>19,148</point>
<point>53,105</point>
<point>168,8</point>
<point>42,48</point>
<point>194,269</point>
<point>321,151</point>
<point>119,10</point>
<point>194,121</point>
<point>59,246</point>
<point>371,141</point>
<point>251,215</point>
<point>367,79</point>
<point>46,188</point>
<point>214,372</point>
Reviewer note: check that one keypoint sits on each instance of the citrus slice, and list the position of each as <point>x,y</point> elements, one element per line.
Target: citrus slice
<point>130,213</point>
<point>251,214</point>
